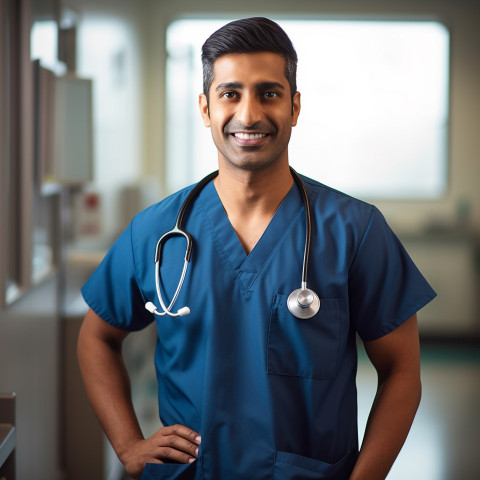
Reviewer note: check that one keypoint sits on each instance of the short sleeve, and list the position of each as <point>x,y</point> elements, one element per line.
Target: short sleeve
<point>385,286</point>
<point>112,291</point>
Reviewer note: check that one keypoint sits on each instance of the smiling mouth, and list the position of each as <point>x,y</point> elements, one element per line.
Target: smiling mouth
<point>249,136</point>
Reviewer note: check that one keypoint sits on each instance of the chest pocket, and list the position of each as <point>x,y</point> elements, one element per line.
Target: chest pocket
<point>308,348</point>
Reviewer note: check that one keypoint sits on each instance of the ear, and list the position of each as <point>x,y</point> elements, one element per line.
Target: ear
<point>203,104</point>
<point>295,108</point>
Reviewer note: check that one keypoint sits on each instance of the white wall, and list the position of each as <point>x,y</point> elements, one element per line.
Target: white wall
<point>408,218</point>
<point>461,17</point>
<point>149,19</point>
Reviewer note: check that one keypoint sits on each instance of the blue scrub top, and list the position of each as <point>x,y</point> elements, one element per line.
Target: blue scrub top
<point>271,395</point>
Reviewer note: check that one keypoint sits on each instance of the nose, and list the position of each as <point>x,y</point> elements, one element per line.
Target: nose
<point>249,110</point>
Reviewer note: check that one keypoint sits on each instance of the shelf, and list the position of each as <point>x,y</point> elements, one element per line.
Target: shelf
<point>7,436</point>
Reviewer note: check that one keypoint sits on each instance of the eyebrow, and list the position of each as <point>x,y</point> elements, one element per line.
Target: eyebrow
<point>240,86</point>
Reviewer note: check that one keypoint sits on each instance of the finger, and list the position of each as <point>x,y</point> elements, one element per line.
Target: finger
<point>184,432</point>
<point>181,444</point>
<point>168,454</point>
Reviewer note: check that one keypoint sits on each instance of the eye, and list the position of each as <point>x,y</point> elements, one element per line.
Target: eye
<point>271,94</point>
<point>228,94</point>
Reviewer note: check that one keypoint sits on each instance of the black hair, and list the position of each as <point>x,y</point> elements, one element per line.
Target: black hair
<point>249,35</point>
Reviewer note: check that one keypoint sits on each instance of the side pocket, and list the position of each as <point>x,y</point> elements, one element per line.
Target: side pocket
<point>306,348</point>
<point>289,466</point>
<point>170,471</point>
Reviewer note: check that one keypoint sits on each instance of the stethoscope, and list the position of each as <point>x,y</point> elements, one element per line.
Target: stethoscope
<point>302,302</point>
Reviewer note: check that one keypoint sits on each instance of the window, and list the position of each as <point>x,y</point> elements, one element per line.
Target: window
<point>374,119</point>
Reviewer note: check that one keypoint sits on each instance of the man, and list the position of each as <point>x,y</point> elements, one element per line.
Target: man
<point>246,389</point>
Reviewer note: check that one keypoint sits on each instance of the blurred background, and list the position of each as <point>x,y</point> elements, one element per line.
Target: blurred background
<point>98,119</point>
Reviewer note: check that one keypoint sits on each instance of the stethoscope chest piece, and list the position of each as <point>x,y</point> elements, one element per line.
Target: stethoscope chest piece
<point>303,303</point>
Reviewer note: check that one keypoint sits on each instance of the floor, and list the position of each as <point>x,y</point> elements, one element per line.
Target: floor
<point>444,442</point>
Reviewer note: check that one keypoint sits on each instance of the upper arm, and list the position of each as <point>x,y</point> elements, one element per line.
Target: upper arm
<point>396,352</point>
<point>385,291</point>
<point>94,328</point>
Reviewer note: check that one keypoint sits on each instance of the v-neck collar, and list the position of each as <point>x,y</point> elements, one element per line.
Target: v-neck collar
<point>248,267</point>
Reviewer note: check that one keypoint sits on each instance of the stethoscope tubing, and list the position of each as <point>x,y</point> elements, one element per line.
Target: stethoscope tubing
<point>176,231</point>
<point>302,303</point>
<point>308,226</point>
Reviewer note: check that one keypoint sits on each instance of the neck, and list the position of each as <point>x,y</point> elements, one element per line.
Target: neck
<point>251,199</point>
<point>261,190</point>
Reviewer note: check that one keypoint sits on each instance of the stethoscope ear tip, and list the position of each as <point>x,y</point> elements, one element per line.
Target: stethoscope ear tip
<point>183,311</point>
<point>150,307</point>
<point>153,309</point>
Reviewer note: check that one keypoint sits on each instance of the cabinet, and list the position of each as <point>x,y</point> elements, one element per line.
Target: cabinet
<point>450,261</point>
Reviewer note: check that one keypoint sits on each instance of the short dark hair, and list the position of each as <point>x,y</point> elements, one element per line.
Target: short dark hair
<point>249,35</point>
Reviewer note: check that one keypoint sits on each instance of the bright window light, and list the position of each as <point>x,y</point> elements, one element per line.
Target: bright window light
<point>374,118</point>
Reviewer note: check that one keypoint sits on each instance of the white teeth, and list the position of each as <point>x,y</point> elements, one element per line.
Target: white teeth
<point>250,136</point>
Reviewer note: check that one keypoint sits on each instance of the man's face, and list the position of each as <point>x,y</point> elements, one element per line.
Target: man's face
<point>250,110</point>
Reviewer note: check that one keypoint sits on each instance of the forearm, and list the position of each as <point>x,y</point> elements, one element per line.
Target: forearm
<point>108,388</point>
<point>388,425</point>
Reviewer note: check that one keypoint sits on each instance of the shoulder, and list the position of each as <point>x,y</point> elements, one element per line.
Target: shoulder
<point>334,204</point>
<point>160,215</point>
